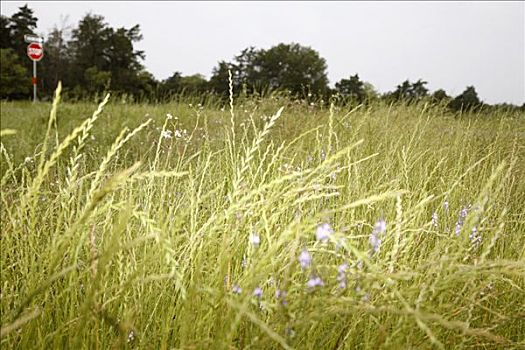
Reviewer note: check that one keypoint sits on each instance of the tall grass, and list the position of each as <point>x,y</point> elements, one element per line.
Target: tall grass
<point>181,226</point>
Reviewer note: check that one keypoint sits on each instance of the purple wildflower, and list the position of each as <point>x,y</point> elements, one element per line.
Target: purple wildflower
<point>340,243</point>
<point>461,219</point>
<point>341,275</point>
<point>315,282</point>
<point>374,239</point>
<point>258,292</point>
<point>323,232</point>
<point>281,295</point>
<point>458,228</point>
<point>305,259</point>
<point>236,289</point>
<point>380,226</point>
<point>435,219</point>
<point>375,243</point>
<point>342,268</point>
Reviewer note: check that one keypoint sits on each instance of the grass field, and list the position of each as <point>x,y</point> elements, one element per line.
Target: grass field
<point>181,226</point>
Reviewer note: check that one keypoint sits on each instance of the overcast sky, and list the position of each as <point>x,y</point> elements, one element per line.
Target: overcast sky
<point>449,44</point>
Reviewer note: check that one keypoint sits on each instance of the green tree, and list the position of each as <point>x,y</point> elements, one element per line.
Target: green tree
<point>466,101</point>
<point>123,59</point>
<point>96,81</point>
<point>95,44</point>
<point>409,92</point>
<point>219,81</point>
<point>6,37</point>
<point>14,77</point>
<point>194,84</point>
<point>292,67</point>
<point>57,63</point>
<point>89,46</point>
<point>352,89</point>
<point>144,85</point>
<point>440,96</point>
<point>170,85</point>
<point>21,23</point>
<point>370,92</point>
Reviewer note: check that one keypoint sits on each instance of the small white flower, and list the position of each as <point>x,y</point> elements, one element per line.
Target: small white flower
<point>167,134</point>
<point>169,116</point>
<point>255,239</point>
<point>434,219</point>
<point>131,336</point>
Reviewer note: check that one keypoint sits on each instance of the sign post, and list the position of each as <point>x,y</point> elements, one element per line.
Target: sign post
<point>34,81</point>
<point>35,51</point>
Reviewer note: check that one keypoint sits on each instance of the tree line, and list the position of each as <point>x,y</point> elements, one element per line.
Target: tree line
<point>94,57</point>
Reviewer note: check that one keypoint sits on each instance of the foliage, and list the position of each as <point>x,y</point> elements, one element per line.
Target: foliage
<point>6,39</point>
<point>409,92</point>
<point>55,66</point>
<point>352,88</point>
<point>440,96</point>
<point>194,85</point>
<point>96,45</point>
<point>466,101</point>
<point>21,23</point>
<point>13,76</point>
<point>291,67</point>
<point>15,62</point>
<point>93,57</point>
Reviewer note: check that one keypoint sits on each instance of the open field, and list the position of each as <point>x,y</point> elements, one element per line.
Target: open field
<point>187,227</point>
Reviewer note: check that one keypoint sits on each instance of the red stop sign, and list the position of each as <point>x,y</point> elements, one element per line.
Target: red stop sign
<point>35,51</point>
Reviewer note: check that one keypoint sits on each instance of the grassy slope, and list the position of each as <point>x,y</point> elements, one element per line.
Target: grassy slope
<point>94,256</point>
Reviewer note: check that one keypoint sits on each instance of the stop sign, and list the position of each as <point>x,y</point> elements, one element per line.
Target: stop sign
<point>35,51</point>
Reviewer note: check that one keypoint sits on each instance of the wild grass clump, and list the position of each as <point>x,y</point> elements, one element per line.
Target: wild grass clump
<point>261,224</point>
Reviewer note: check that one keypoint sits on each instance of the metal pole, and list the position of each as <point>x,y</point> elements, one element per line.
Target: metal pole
<point>34,81</point>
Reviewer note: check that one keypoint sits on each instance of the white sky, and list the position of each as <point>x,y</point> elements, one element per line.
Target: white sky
<point>449,44</point>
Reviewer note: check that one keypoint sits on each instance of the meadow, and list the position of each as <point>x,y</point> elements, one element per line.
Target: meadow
<point>262,223</point>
